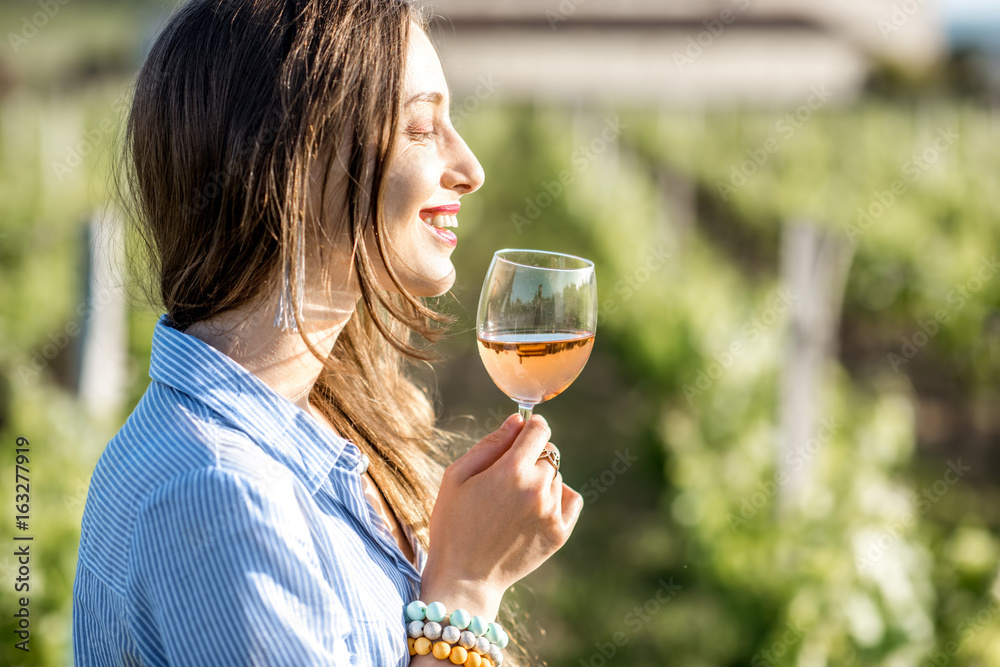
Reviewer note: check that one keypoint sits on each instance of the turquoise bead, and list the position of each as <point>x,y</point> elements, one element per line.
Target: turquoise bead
<point>460,619</point>
<point>415,611</point>
<point>436,612</point>
<point>493,632</point>
<point>478,626</point>
<point>503,641</point>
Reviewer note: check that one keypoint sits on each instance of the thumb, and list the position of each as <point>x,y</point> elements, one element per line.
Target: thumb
<point>488,451</point>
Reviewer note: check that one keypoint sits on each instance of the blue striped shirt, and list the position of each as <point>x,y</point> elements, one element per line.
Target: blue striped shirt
<point>226,526</point>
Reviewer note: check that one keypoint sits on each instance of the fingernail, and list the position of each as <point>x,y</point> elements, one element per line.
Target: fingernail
<point>511,422</point>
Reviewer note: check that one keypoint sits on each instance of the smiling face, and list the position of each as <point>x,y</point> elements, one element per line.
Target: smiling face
<point>431,169</point>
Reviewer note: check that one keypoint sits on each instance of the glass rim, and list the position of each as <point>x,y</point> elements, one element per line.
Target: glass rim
<point>498,255</point>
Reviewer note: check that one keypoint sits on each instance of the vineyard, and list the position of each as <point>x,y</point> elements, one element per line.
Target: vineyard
<point>695,547</point>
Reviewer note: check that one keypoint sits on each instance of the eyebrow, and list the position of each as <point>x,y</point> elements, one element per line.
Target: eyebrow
<point>433,96</point>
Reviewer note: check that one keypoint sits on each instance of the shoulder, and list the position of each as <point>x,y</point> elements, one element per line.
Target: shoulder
<point>222,568</point>
<point>169,434</point>
<point>207,508</point>
<point>172,449</point>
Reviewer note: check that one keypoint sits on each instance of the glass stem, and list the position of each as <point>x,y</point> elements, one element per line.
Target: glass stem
<point>525,411</point>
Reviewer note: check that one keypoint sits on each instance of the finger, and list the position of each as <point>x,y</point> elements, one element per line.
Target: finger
<point>529,443</point>
<point>555,489</point>
<point>545,464</point>
<point>572,506</point>
<point>488,451</point>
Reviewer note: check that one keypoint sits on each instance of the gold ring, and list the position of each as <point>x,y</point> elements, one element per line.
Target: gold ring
<point>552,456</point>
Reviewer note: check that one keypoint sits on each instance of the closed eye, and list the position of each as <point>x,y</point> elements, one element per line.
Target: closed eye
<point>420,131</point>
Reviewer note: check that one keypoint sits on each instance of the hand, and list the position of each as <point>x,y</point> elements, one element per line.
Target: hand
<point>500,514</point>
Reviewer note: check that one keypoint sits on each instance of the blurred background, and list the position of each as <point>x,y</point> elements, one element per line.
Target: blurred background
<point>786,435</point>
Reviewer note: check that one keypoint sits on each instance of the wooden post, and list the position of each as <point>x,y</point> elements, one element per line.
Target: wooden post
<point>103,376</point>
<point>814,265</point>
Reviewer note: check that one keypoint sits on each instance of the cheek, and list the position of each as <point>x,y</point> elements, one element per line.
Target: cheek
<point>410,184</point>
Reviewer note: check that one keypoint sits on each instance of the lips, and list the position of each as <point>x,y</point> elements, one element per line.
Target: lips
<point>447,209</point>
<point>439,218</point>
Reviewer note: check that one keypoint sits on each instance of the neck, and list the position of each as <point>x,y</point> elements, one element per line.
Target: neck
<point>281,359</point>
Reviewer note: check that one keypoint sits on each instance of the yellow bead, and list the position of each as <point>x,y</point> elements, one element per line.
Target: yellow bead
<point>422,646</point>
<point>442,650</point>
<point>458,655</point>
<point>410,641</point>
<point>474,660</point>
<point>487,662</point>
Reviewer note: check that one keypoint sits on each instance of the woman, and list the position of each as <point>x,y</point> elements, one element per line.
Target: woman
<point>271,500</point>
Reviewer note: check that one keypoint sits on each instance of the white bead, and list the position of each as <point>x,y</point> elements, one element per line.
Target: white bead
<point>415,629</point>
<point>496,655</point>
<point>466,640</point>
<point>450,634</point>
<point>482,645</point>
<point>432,630</point>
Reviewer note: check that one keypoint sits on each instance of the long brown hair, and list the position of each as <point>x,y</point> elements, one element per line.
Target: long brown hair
<point>238,102</point>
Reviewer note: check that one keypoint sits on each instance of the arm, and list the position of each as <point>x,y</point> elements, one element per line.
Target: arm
<point>499,515</point>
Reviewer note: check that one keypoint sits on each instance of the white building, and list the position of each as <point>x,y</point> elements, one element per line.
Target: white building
<point>682,52</point>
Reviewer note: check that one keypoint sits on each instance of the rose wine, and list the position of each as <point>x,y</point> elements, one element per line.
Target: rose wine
<point>532,368</point>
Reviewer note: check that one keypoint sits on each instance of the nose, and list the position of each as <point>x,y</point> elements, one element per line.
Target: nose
<point>464,174</point>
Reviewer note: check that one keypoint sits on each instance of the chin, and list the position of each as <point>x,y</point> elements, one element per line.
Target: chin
<point>430,285</point>
<point>427,272</point>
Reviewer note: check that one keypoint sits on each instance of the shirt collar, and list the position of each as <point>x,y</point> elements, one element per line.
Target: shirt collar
<point>279,427</point>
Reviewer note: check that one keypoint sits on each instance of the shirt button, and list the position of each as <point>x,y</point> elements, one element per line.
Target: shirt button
<point>363,465</point>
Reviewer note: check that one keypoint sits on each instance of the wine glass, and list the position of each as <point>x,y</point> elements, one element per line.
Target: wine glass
<point>536,323</point>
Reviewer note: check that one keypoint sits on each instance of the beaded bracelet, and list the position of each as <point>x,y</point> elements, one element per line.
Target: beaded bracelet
<point>463,639</point>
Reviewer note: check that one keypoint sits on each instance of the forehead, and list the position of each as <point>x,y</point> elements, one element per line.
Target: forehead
<point>423,67</point>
